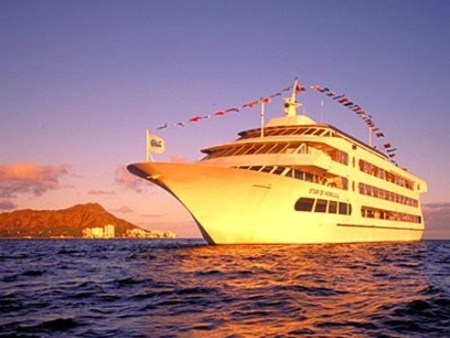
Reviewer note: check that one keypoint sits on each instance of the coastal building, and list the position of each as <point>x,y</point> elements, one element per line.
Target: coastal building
<point>107,231</point>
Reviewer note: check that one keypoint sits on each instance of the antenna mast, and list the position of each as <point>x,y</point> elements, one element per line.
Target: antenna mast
<point>291,104</point>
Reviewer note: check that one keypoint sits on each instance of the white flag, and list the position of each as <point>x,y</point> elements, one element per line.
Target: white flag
<point>155,144</point>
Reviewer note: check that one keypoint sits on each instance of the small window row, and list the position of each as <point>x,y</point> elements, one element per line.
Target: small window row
<point>369,212</point>
<point>323,206</point>
<point>278,131</point>
<point>366,189</point>
<point>337,182</point>
<point>373,170</point>
<point>295,147</point>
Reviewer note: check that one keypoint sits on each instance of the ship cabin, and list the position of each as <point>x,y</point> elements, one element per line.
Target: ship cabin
<point>295,147</point>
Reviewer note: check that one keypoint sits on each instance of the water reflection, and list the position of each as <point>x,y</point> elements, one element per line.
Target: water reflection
<point>330,290</point>
<point>171,289</point>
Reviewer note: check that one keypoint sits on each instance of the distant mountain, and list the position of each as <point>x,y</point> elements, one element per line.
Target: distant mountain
<point>56,223</point>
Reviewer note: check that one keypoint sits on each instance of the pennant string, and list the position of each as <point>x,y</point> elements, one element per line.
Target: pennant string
<point>340,98</point>
<point>251,104</point>
<point>368,119</point>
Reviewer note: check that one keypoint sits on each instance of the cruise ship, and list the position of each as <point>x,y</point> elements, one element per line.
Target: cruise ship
<point>293,180</point>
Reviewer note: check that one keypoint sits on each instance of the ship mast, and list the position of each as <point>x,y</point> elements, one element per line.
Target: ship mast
<point>291,104</point>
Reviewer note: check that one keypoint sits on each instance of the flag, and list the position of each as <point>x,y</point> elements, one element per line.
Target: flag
<point>250,104</point>
<point>380,135</point>
<point>232,110</point>
<point>343,100</point>
<point>276,94</point>
<point>387,145</point>
<point>155,144</point>
<point>195,119</point>
<point>299,88</point>
<point>163,126</point>
<point>314,87</point>
<point>265,100</point>
<point>391,150</point>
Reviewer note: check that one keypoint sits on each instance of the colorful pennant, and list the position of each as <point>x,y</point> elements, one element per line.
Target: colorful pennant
<point>368,119</point>
<point>250,104</point>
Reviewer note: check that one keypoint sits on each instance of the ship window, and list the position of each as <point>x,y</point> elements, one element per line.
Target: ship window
<point>299,174</point>
<point>285,132</point>
<point>318,132</point>
<point>250,150</point>
<point>304,204</point>
<point>288,173</point>
<point>343,208</point>
<point>266,169</point>
<point>263,149</point>
<point>308,177</point>
<point>256,168</point>
<point>332,207</point>
<point>278,170</point>
<point>321,206</point>
<point>310,131</point>
<point>278,148</point>
<point>228,151</point>
<point>241,150</point>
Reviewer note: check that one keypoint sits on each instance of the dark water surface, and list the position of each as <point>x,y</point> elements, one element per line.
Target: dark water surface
<point>183,288</point>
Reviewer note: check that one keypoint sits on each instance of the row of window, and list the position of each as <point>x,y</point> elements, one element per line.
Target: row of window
<point>369,212</point>
<point>373,170</point>
<point>324,206</point>
<point>258,148</point>
<point>342,208</point>
<point>369,190</point>
<point>279,148</point>
<point>277,131</point>
<point>337,182</point>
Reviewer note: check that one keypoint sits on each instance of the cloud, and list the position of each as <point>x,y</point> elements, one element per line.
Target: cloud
<point>128,181</point>
<point>437,220</point>
<point>101,192</point>
<point>7,205</point>
<point>31,178</point>
<point>124,210</point>
<point>440,208</point>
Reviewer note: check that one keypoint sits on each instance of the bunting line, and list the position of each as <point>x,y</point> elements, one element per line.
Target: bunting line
<point>221,113</point>
<point>342,99</point>
<point>360,112</point>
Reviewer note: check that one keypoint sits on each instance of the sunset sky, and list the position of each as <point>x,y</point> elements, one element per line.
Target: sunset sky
<point>81,81</point>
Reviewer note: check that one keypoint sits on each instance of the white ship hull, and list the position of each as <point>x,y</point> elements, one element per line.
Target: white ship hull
<point>233,206</point>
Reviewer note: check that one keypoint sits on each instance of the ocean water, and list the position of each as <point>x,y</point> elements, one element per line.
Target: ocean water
<point>184,288</point>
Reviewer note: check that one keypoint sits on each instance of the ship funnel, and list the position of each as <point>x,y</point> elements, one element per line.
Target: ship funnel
<point>290,103</point>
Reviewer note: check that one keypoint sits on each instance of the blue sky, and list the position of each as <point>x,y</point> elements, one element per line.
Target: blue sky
<point>82,80</point>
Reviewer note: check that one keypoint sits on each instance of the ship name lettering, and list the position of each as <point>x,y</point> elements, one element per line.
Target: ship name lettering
<point>323,193</point>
